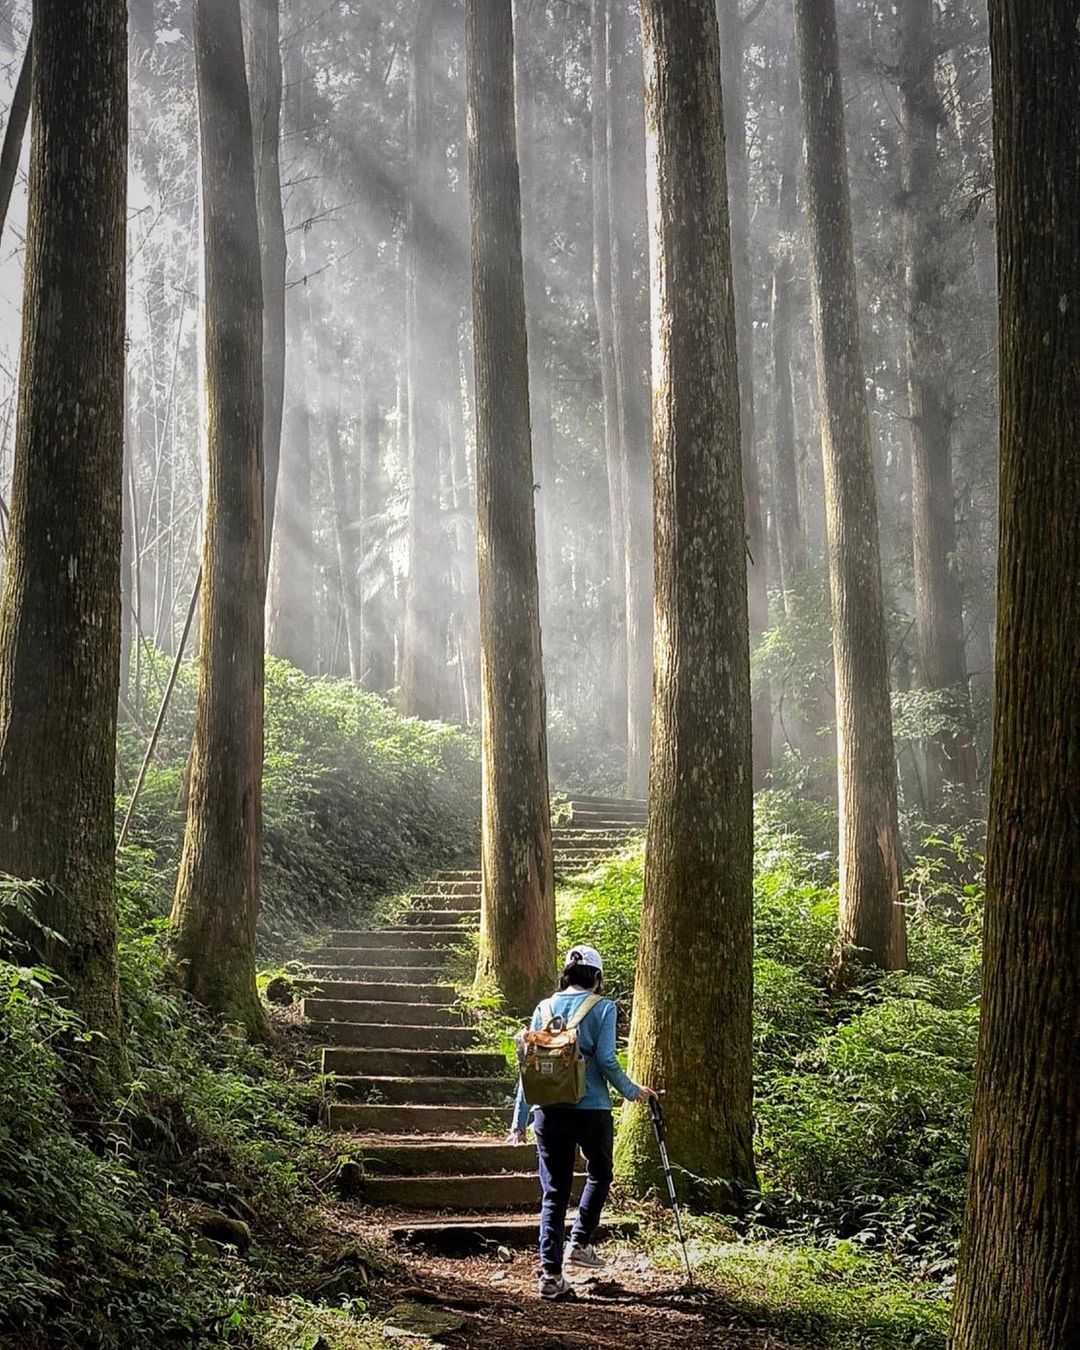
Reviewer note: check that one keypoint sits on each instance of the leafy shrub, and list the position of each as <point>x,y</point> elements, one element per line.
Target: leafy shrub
<point>356,799</point>
<point>95,1243</point>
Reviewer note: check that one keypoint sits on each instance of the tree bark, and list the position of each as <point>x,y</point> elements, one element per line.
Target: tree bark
<point>263,51</point>
<point>698,881</point>
<point>60,599</point>
<point>950,757</point>
<point>631,348</point>
<point>217,892</point>
<point>613,462</point>
<point>1019,1278</point>
<point>872,925</point>
<point>424,654</point>
<point>517,921</point>
<point>732,58</point>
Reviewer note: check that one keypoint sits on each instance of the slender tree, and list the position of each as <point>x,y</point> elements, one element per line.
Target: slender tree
<point>424,646</point>
<point>790,528</point>
<point>1019,1279</point>
<point>698,896</point>
<point>601,276</point>
<point>60,601</point>
<point>517,924</point>
<point>733,60</point>
<point>265,82</point>
<point>631,348</point>
<point>15,130</point>
<point>872,927</point>
<point>939,617</point>
<point>217,893</point>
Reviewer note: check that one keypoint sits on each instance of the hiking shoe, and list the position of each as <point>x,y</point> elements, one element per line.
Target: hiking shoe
<point>584,1257</point>
<point>552,1286</point>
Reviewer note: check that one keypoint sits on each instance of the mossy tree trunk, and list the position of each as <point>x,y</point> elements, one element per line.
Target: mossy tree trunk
<point>1019,1278</point>
<point>872,924</point>
<point>217,893</point>
<point>517,920</point>
<point>695,973</point>
<point>60,601</point>
<point>939,616</point>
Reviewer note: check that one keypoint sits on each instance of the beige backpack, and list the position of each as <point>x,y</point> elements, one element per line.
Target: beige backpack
<point>552,1065</point>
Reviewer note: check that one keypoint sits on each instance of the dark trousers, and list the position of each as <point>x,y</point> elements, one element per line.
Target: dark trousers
<point>560,1132</point>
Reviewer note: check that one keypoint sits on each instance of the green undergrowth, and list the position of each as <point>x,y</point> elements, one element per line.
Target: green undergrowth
<point>104,1206</point>
<point>838,1295</point>
<point>357,800</point>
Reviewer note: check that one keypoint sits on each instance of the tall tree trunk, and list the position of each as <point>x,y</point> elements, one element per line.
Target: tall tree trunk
<point>536,296</point>
<point>872,927</point>
<point>423,669</point>
<point>732,57</point>
<point>616,689</point>
<point>60,599</point>
<point>1019,1278</point>
<point>950,757</point>
<point>217,892</point>
<point>378,634</point>
<point>630,334</point>
<point>263,50</point>
<point>517,921</point>
<point>346,533</point>
<point>15,130</point>
<point>290,610</point>
<point>790,531</point>
<point>698,882</point>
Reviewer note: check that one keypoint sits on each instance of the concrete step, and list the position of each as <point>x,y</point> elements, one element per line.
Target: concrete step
<point>350,958</point>
<point>473,875</point>
<point>427,1091</point>
<point>411,1158</point>
<point>397,936</point>
<point>340,1010</point>
<point>453,1120</point>
<point>504,1190</point>
<point>451,886</point>
<point>368,1061</point>
<point>603,799</point>
<point>371,1036</point>
<point>608,816</point>
<point>364,975</point>
<point>433,901</point>
<point>470,1237</point>
<point>442,918</point>
<point>413,1015</point>
<point>562,836</point>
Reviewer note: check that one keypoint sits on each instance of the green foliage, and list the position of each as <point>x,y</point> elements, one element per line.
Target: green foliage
<point>862,1102</point>
<point>357,800</point>
<point>96,1246</point>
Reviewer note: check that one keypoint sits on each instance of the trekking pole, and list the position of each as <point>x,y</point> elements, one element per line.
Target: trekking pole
<point>656,1111</point>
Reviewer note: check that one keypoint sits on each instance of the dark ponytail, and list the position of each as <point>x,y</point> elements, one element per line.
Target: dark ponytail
<point>584,977</point>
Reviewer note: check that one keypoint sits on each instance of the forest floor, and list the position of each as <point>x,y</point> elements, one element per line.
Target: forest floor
<point>493,1302</point>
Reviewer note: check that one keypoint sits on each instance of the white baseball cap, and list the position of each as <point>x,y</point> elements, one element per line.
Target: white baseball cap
<point>584,956</point>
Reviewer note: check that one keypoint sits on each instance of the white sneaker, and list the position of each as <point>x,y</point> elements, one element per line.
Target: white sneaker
<point>552,1287</point>
<point>584,1257</point>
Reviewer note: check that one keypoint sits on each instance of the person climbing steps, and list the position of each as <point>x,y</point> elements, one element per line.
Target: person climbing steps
<point>568,1062</point>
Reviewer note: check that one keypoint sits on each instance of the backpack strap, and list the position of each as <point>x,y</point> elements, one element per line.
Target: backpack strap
<point>587,1005</point>
<point>547,1013</point>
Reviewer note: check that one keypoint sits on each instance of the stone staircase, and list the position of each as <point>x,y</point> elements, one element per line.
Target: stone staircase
<point>427,1110</point>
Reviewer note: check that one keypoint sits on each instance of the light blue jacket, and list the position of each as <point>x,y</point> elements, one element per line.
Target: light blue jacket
<point>596,1039</point>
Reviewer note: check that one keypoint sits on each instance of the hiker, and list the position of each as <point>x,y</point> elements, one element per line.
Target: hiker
<point>584,1022</point>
